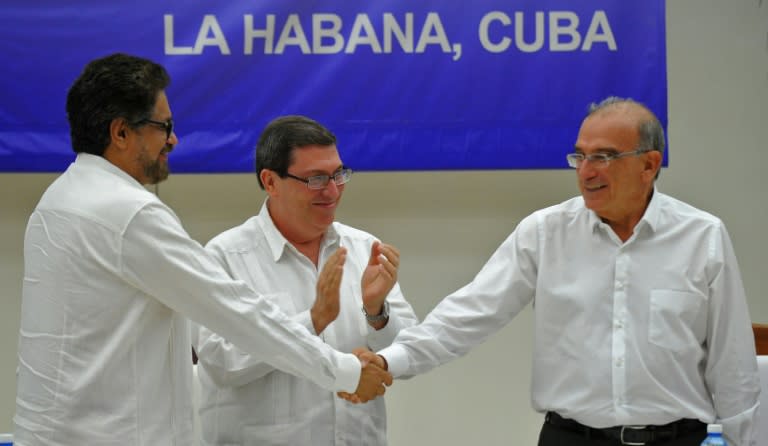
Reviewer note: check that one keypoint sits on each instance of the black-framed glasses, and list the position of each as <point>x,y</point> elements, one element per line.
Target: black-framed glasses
<point>600,159</point>
<point>165,125</point>
<point>317,182</point>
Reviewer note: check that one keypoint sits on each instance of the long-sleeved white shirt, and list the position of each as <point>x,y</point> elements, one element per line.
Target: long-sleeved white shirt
<point>642,332</point>
<point>104,345</point>
<point>246,401</point>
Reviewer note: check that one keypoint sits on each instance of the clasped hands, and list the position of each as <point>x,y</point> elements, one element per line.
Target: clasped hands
<point>374,378</point>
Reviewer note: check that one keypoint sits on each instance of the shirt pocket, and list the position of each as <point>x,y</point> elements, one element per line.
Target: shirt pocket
<point>672,318</point>
<point>288,434</point>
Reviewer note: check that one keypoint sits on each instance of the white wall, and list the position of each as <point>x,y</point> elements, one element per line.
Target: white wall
<point>448,223</point>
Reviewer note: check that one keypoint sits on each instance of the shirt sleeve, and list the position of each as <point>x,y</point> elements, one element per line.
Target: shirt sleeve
<point>731,370</point>
<point>466,318</point>
<point>226,364</point>
<point>159,258</point>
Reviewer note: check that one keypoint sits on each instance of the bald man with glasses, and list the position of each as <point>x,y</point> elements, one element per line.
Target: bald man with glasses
<point>642,332</point>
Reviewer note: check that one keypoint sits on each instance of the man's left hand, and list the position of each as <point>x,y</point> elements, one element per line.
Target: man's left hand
<point>379,276</point>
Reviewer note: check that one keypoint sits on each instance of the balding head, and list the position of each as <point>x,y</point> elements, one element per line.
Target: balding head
<point>649,129</point>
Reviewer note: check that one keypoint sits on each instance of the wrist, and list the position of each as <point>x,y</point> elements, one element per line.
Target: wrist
<point>374,316</point>
<point>319,319</point>
<point>373,310</point>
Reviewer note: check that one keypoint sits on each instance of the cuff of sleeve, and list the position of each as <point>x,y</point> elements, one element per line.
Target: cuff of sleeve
<point>378,339</point>
<point>347,373</point>
<point>397,360</point>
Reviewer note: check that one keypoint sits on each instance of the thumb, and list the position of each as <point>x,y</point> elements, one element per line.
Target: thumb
<point>375,251</point>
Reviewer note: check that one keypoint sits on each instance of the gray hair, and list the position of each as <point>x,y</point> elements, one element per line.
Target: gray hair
<point>650,131</point>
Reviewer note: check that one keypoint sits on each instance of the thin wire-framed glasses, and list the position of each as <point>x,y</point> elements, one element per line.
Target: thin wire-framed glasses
<point>317,182</point>
<point>600,159</point>
<point>165,125</point>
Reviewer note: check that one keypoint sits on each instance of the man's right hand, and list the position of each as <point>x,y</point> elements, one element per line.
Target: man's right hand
<point>327,304</point>
<point>373,380</point>
<point>368,358</point>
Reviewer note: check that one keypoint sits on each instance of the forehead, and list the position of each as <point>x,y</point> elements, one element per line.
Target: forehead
<point>162,109</point>
<point>608,130</point>
<point>315,157</point>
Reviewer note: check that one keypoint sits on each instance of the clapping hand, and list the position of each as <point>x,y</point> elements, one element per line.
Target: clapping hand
<point>327,304</point>
<point>380,276</point>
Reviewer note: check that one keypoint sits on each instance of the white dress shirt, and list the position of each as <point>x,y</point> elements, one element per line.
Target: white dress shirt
<point>246,401</point>
<point>104,347</point>
<point>646,331</point>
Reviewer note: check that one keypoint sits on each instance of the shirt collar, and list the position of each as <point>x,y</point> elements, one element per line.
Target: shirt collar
<point>278,243</point>
<point>652,212</point>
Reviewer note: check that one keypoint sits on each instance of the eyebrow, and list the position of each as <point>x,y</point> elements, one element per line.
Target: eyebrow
<point>315,173</point>
<point>599,150</point>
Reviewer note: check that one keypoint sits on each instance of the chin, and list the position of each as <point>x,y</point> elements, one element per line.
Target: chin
<point>593,205</point>
<point>324,221</point>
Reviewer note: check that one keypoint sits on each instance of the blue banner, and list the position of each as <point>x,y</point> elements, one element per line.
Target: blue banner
<point>404,85</point>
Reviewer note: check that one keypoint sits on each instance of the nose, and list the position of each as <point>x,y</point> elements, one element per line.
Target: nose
<point>173,139</point>
<point>586,170</point>
<point>332,189</point>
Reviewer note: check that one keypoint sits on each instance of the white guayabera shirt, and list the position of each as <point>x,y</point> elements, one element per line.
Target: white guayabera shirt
<point>104,345</point>
<point>647,331</point>
<point>246,401</point>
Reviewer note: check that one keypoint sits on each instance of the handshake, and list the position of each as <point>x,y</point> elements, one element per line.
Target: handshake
<point>373,378</point>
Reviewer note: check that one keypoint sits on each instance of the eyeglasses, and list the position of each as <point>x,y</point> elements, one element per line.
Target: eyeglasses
<point>165,125</point>
<point>318,182</point>
<point>599,160</point>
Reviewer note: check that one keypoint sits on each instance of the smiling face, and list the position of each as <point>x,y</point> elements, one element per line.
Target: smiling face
<point>302,214</point>
<point>620,191</point>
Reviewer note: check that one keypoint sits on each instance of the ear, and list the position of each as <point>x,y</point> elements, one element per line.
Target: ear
<point>653,163</point>
<point>118,132</point>
<point>269,180</point>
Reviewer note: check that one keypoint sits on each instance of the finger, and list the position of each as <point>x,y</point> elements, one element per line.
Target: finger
<point>375,359</point>
<point>333,261</point>
<point>391,253</point>
<point>375,251</point>
<point>389,269</point>
<point>351,397</point>
<point>335,274</point>
<point>339,274</point>
<point>334,258</point>
<point>387,379</point>
<point>381,390</point>
<point>365,356</point>
<point>338,257</point>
